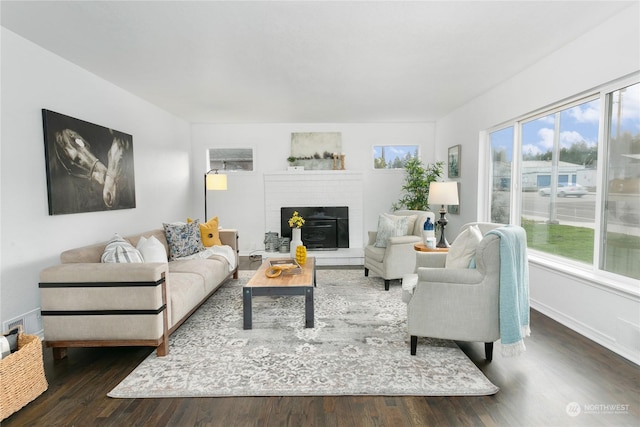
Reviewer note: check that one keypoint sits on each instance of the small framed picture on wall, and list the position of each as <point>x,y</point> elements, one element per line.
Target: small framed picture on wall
<point>453,161</point>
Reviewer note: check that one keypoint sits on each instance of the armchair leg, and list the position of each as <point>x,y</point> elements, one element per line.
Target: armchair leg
<point>386,284</point>
<point>414,344</point>
<point>366,272</point>
<point>488,351</point>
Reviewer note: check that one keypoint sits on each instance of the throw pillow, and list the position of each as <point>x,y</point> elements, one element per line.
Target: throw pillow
<point>209,232</point>
<point>152,249</point>
<point>120,250</point>
<point>183,238</point>
<point>8,343</point>
<point>463,249</point>
<point>390,226</point>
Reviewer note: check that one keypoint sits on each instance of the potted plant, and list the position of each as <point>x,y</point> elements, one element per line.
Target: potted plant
<point>416,185</point>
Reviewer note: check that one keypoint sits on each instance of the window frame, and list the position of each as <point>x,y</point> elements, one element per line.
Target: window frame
<point>592,273</point>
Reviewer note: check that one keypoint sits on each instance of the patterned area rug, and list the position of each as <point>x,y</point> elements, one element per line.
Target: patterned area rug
<point>359,346</point>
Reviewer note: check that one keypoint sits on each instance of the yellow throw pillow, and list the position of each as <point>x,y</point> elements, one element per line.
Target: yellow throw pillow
<point>209,233</point>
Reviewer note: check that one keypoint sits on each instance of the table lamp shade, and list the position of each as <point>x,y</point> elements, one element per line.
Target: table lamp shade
<point>443,193</point>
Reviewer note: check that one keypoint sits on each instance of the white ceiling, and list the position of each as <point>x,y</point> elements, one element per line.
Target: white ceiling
<point>305,61</point>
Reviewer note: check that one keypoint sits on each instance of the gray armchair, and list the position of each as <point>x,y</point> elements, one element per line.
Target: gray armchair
<point>456,303</point>
<point>399,257</point>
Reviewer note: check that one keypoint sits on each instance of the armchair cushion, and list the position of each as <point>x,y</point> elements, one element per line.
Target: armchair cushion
<point>393,226</point>
<point>463,250</point>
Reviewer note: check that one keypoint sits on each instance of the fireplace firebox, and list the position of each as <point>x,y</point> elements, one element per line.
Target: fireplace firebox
<point>325,228</point>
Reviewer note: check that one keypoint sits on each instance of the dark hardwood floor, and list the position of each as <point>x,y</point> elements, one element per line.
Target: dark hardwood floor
<point>559,369</point>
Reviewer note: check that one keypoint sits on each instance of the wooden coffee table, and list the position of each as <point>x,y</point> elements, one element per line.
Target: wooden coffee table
<point>285,284</point>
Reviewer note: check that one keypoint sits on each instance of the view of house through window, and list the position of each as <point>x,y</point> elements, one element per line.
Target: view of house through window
<point>393,156</point>
<point>231,159</point>
<point>566,190</point>
<point>621,222</point>
<point>558,180</point>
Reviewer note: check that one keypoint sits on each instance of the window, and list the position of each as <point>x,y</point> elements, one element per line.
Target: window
<point>572,203</point>
<point>558,180</point>
<point>231,159</point>
<point>621,220</point>
<point>393,156</point>
<point>501,142</point>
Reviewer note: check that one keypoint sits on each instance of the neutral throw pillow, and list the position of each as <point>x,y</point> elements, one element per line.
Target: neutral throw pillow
<point>209,232</point>
<point>390,226</point>
<point>183,238</point>
<point>152,249</point>
<point>120,250</point>
<point>463,249</point>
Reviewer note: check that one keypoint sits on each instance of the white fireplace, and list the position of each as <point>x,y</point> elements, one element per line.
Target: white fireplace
<point>319,188</point>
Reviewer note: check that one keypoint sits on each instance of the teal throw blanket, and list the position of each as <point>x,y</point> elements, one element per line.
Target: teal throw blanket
<point>514,288</point>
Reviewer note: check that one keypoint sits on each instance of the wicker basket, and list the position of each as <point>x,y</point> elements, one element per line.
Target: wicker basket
<point>22,375</point>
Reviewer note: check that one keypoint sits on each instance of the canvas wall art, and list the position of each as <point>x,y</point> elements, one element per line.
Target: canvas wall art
<point>89,167</point>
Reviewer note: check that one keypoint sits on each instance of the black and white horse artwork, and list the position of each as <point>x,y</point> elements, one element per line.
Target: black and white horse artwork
<point>89,167</point>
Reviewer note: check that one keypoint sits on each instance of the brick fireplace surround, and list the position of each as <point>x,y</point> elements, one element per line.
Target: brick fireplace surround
<point>319,188</point>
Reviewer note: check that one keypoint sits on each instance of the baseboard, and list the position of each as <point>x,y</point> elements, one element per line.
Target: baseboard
<point>586,331</point>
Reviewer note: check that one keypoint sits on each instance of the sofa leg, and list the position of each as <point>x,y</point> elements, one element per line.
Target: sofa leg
<point>59,353</point>
<point>386,284</point>
<point>235,274</point>
<point>163,349</point>
<point>414,344</point>
<point>488,351</point>
<point>366,272</point>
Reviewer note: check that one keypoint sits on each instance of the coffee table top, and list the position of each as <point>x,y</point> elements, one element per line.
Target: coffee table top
<point>304,278</point>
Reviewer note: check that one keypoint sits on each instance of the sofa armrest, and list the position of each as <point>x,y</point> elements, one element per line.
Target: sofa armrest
<point>229,237</point>
<point>104,272</point>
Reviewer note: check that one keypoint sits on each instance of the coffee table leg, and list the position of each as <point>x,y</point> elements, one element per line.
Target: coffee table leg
<point>308,308</point>
<point>246,307</point>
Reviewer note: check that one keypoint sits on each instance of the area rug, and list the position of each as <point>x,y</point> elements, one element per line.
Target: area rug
<point>359,346</point>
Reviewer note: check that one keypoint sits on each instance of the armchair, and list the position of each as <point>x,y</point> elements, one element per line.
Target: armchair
<point>398,257</point>
<point>456,303</point>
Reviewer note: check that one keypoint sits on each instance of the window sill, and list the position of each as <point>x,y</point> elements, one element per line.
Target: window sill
<point>609,282</point>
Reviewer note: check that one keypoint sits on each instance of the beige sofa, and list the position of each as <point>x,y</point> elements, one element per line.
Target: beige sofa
<point>86,303</point>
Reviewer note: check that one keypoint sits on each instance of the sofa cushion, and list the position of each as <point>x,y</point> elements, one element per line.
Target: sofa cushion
<point>121,251</point>
<point>463,250</point>
<point>392,226</point>
<point>186,291</point>
<point>183,238</point>
<point>152,249</point>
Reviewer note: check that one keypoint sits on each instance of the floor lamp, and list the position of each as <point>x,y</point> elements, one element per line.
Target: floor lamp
<point>443,193</point>
<point>213,181</point>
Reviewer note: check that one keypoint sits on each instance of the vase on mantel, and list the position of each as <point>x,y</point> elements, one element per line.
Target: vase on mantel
<point>296,240</point>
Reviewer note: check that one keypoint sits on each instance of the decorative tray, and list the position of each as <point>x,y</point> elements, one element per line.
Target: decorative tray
<point>288,265</point>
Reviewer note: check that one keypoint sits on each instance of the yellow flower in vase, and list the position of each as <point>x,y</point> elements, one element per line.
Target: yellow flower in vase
<point>296,221</point>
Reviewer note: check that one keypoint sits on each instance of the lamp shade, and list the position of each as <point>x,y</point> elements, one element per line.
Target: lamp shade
<point>216,181</point>
<point>443,193</point>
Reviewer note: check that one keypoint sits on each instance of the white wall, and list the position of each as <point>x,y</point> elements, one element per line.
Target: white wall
<point>242,205</point>
<point>32,79</point>
<point>608,52</point>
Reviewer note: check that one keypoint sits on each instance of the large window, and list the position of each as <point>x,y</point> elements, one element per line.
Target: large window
<point>573,204</point>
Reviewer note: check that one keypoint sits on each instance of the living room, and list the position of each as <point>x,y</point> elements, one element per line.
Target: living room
<point>170,159</point>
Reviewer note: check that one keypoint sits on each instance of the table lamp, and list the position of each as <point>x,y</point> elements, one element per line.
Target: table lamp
<point>443,193</point>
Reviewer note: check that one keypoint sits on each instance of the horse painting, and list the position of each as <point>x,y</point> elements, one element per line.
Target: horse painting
<point>89,167</point>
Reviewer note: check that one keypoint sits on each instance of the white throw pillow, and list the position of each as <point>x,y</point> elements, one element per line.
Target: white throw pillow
<point>120,250</point>
<point>463,249</point>
<point>391,226</point>
<point>152,249</point>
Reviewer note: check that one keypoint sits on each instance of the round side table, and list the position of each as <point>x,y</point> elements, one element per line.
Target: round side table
<point>421,247</point>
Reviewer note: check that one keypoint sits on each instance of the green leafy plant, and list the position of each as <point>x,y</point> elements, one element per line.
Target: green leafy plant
<point>416,184</point>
